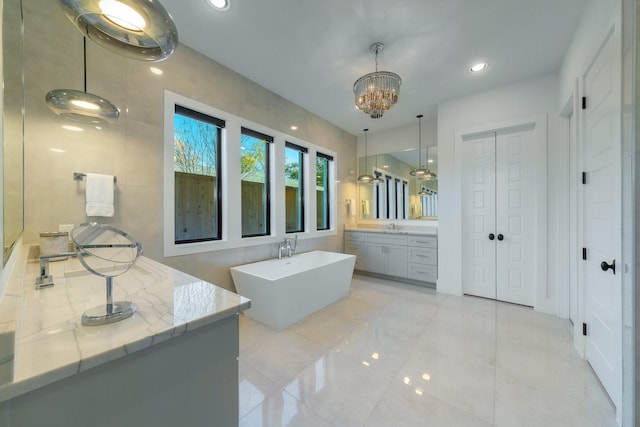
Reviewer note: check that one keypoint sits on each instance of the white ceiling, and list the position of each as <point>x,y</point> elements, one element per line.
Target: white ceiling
<point>311,51</point>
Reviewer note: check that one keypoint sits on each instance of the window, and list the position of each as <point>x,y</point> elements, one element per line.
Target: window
<point>197,186</point>
<point>323,164</point>
<point>390,197</point>
<point>219,182</point>
<point>294,187</point>
<point>255,177</point>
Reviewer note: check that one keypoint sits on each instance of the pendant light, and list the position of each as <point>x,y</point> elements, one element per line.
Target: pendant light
<point>377,92</point>
<point>366,178</point>
<point>82,106</point>
<point>136,29</point>
<point>376,176</point>
<point>421,172</point>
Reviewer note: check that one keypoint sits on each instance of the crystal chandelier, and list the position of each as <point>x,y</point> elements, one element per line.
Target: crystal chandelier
<point>377,92</point>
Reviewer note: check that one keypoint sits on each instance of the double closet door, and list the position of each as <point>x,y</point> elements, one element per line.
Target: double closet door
<point>498,215</point>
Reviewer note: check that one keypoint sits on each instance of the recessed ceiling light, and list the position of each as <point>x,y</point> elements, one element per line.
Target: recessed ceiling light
<point>478,67</point>
<point>294,127</point>
<point>57,150</point>
<point>219,4</point>
<point>157,71</point>
<point>72,128</point>
<point>430,161</point>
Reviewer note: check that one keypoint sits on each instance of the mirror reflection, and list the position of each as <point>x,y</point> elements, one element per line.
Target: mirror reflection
<point>13,115</point>
<point>396,194</point>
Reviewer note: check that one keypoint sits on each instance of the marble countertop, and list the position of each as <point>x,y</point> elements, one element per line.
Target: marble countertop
<point>51,344</point>
<point>432,231</point>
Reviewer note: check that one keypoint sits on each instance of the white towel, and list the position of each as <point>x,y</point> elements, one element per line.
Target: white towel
<point>365,207</point>
<point>99,192</point>
<point>351,207</point>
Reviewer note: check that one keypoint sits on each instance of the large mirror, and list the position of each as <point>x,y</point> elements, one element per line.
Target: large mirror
<point>397,195</point>
<point>13,116</point>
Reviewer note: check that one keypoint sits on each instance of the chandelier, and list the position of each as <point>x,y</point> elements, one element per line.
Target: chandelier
<point>377,92</point>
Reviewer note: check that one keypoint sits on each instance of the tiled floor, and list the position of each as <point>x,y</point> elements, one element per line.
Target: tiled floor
<point>392,354</point>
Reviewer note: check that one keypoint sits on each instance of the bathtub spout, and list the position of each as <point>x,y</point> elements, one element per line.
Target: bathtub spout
<point>285,245</point>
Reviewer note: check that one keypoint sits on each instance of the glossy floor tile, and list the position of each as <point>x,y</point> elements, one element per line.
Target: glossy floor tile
<point>392,354</point>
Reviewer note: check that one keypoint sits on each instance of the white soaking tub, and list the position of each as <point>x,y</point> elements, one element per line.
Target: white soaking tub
<point>284,291</point>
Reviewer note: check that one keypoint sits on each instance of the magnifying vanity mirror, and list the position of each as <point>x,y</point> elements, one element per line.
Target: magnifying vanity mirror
<point>397,195</point>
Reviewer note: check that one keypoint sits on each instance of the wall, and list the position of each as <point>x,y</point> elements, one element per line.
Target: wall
<point>525,99</point>
<point>132,148</point>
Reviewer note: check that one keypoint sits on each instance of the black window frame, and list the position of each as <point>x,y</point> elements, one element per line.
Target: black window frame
<point>327,174</point>
<point>269,140</point>
<point>303,151</point>
<point>219,124</point>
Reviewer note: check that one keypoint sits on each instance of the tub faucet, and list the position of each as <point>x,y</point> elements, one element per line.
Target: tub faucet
<point>45,280</point>
<point>288,245</point>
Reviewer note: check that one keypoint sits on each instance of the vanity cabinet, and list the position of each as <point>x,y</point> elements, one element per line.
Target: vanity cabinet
<point>404,256</point>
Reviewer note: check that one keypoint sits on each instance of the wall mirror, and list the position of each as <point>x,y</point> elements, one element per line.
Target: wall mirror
<point>396,195</point>
<point>13,132</point>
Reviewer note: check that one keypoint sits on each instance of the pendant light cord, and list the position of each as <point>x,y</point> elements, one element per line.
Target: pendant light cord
<point>419,141</point>
<point>84,60</point>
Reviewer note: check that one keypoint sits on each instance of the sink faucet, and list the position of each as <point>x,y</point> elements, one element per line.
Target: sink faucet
<point>45,280</point>
<point>391,226</point>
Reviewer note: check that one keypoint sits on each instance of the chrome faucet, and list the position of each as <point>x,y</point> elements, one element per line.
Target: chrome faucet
<point>391,226</point>
<point>45,280</point>
<point>288,245</point>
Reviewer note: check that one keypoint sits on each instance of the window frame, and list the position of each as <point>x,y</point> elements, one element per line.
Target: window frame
<point>220,125</point>
<point>303,156</point>
<point>328,194</point>
<point>230,171</point>
<point>268,139</point>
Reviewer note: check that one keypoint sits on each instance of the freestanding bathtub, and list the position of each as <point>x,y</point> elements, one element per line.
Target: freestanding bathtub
<point>284,291</point>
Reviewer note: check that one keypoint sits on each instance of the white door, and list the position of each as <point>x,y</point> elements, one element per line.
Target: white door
<point>602,227</point>
<point>478,216</point>
<point>515,216</point>
<point>498,215</point>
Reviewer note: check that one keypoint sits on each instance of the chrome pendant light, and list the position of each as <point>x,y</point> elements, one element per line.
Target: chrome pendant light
<point>82,106</point>
<point>420,172</point>
<point>136,29</point>
<point>366,178</point>
<point>377,92</point>
<point>376,176</point>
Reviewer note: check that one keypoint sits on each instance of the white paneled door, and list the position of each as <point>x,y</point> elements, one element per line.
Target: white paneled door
<point>602,227</point>
<point>498,205</point>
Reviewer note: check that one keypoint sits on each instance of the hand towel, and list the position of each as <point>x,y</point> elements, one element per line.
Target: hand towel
<point>351,207</point>
<point>365,207</point>
<point>99,193</point>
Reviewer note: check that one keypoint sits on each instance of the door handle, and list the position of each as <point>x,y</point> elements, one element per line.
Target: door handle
<point>500,237</point>
<point>492,236</point>
<point>604,266</point>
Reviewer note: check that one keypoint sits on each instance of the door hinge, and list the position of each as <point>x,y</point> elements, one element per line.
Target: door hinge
<point>584,177</point>
<point>584,254</point>
<point>584,102</point>
<point>584,329</point>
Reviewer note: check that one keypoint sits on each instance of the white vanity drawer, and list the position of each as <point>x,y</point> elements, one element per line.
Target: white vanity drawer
<point>423,241</point>
<point>389,239</point>
<point>355,236</point>
<point>423,256</point>
<point>423,273</point>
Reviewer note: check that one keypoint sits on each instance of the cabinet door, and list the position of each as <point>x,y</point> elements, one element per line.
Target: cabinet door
<point>396,261</point>
<point>376,258</point>
<point>360,251</point>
